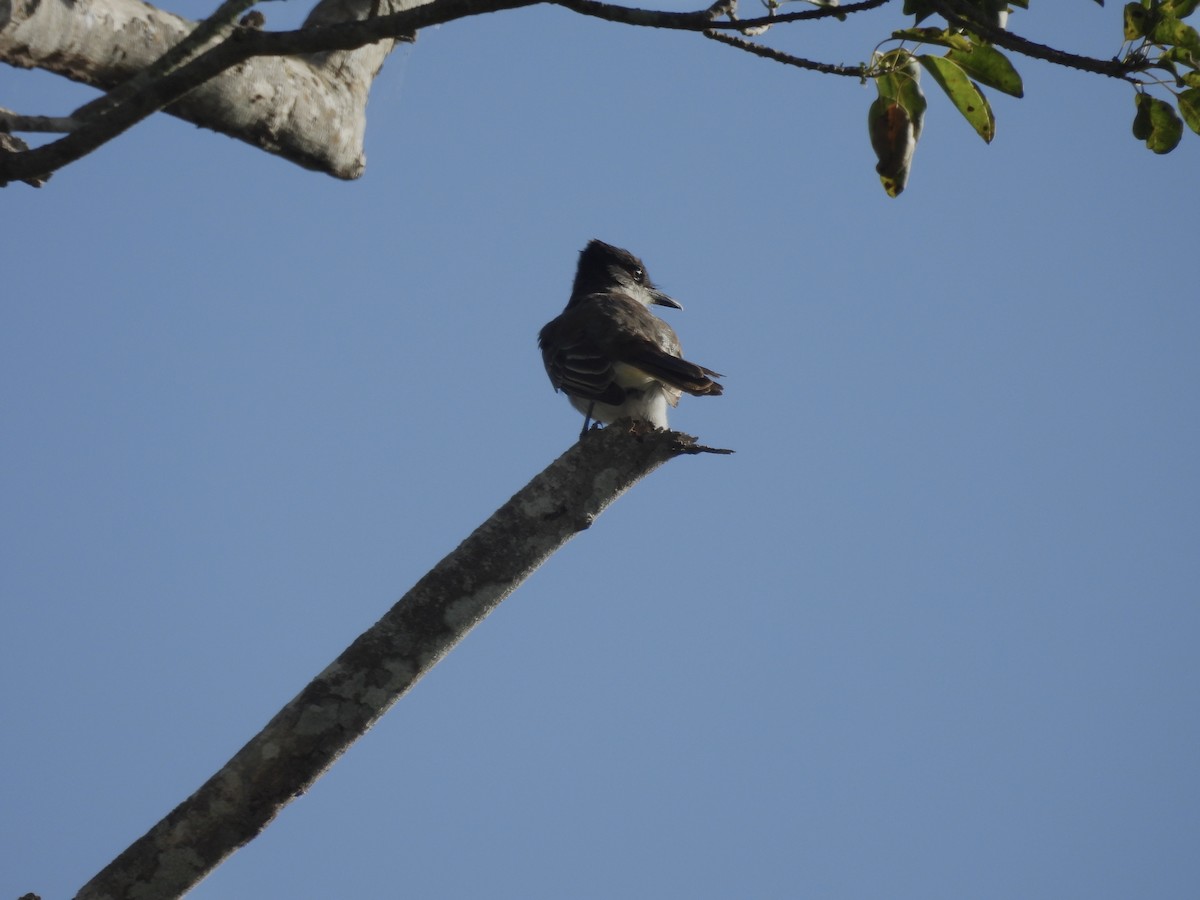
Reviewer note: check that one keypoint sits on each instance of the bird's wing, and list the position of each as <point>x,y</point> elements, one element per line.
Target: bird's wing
<point>672,371</point>
<point>584,347</point>
<point>644,341</point>
<point>576,365</point>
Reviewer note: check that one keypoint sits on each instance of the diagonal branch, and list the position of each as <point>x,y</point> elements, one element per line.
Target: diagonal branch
<point>308,735</point>
<point>309,108</point>
<point>241,46</point>
<point>217,26</point>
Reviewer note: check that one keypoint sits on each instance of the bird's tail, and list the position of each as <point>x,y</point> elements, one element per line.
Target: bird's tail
<point>679,373</point>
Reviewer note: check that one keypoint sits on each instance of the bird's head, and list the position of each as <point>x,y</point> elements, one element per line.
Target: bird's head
<point>603,267</point>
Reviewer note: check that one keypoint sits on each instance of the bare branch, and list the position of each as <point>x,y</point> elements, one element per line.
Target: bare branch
<point>327,73</point>
<point>309,109</point>
<point>859,71</point>
<point>216,27</point>
<point>11,144</point>
<point>11,122</point>
<point>703,20</point>
<point>339,705</point>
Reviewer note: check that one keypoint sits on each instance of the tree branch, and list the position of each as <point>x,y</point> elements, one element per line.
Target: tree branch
<point>703,20</point>
<point>241,46</point>
<point>311,109</point>
<point>959,15</point>
<point>216,27</point>
<point>188,80</point>
<point>308,735</point>
<point>15,122</point>
<point>859,71</point>
<point>317,77</point>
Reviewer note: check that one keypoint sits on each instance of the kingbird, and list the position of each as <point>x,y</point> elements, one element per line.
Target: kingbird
<point>609,354</point>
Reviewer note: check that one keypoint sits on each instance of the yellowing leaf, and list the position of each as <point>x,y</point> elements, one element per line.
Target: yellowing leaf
<point>1141,119</point>
<point>1181,9</point>
<point>989,66</point>
<point>1189,108</point>
<point>1136,21</point>
<point>944,37</point>
<point>1169,30</point>
<point>963,93</point>
<point>1157,124</point>
<point>894,141</point>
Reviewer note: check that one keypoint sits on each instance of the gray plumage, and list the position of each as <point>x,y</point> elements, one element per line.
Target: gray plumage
<point>609,354</point>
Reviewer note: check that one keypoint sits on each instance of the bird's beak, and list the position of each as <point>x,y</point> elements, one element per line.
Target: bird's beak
<point>660,299</point>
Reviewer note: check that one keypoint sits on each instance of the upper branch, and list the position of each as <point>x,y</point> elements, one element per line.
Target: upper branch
<point>240,46</point>
<point>703,20</point>
<point>309,135</point>
<point>859,71</point>
<point>960,15</point>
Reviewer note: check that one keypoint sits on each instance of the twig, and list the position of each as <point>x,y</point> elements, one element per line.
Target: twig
<point>11,122</point>
<point>858,71</point>
<point>702,20</point>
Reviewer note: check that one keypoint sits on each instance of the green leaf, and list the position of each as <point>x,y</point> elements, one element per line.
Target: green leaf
<point>1168,128</point>
<point>1141,119</point>
<point>912,98</point>
<point>965,95</point>
<point>992,12</point>
<point>1169,30</point>
<point>902,84</point>
<point>1164,62</point>
<point>1189,108</point>
<point>1192,79</point>
<point>989,66</point>
<point>943,37</point>
<point>1138,21</point>
<point>1181,55</point>
<point>918,8</point>
<point>1181,8</point>
<point>1157,124</point>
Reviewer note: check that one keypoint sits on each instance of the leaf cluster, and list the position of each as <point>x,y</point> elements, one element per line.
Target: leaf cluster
<point>1156,32</point>
<point>1155,35</point>
<point>967,63</point>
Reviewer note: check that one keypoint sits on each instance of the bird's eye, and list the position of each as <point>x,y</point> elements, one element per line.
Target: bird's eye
<point>639,274</point>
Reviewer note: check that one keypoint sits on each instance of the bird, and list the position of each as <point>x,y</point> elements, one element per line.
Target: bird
<point>609,354</point>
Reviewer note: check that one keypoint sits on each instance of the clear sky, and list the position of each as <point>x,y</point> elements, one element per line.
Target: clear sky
<point>930,633</point>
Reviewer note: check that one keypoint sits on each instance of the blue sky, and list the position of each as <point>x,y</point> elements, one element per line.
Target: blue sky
<point>930,633</point>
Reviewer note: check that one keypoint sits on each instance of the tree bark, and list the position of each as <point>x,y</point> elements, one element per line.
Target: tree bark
<point>341,704</point>
<point>310,110</point>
